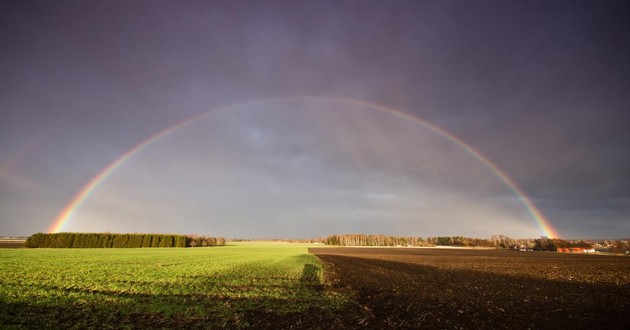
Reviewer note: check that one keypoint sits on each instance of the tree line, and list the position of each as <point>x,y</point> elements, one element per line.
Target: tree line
<point>373,240</point>
<point>552,244</point>
<point>496,241</point>
<point>108,240</point>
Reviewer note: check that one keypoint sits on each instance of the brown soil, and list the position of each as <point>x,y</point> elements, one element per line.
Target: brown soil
<point>479,289</point>
<point>12,244</point>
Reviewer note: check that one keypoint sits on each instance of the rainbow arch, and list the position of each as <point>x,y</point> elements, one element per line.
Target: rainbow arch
<point>70,209</point>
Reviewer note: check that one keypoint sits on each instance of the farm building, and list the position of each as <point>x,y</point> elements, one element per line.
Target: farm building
<point>575,249</point>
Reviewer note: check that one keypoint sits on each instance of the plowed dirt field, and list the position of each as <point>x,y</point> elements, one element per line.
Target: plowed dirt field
<point>479,289</point>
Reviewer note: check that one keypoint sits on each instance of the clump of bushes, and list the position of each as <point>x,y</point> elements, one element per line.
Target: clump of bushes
<point>108,240</point>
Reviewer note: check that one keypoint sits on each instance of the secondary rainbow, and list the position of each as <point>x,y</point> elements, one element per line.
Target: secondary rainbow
<point>66,214</point>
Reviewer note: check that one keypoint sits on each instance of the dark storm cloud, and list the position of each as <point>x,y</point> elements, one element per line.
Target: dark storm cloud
<point>539,87</point>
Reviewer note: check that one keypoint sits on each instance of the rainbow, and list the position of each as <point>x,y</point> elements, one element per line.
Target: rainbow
<point>66,214</point>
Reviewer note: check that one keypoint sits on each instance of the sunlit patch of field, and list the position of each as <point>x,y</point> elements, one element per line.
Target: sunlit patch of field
<point>240,285</point>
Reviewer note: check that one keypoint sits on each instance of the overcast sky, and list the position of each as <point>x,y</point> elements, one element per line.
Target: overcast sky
<point>540,88</point>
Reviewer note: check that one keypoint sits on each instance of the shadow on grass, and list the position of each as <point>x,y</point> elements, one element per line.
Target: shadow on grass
<point>311,275</point>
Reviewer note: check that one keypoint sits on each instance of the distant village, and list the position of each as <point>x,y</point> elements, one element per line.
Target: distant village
<point>574,246</point>
<point>562,246</point>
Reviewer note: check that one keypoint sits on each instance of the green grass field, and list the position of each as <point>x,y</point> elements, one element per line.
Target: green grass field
<point>240,285</point>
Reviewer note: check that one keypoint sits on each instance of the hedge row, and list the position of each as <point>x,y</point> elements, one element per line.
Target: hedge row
<point>107,240</point>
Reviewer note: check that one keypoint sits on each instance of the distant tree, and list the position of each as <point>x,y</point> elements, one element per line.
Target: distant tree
<point>155,242</point>
<point>619,246</point>
<point>146,240</point>
<point>35,241</point>
<point>166,241</point>
<point>180,241</point>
